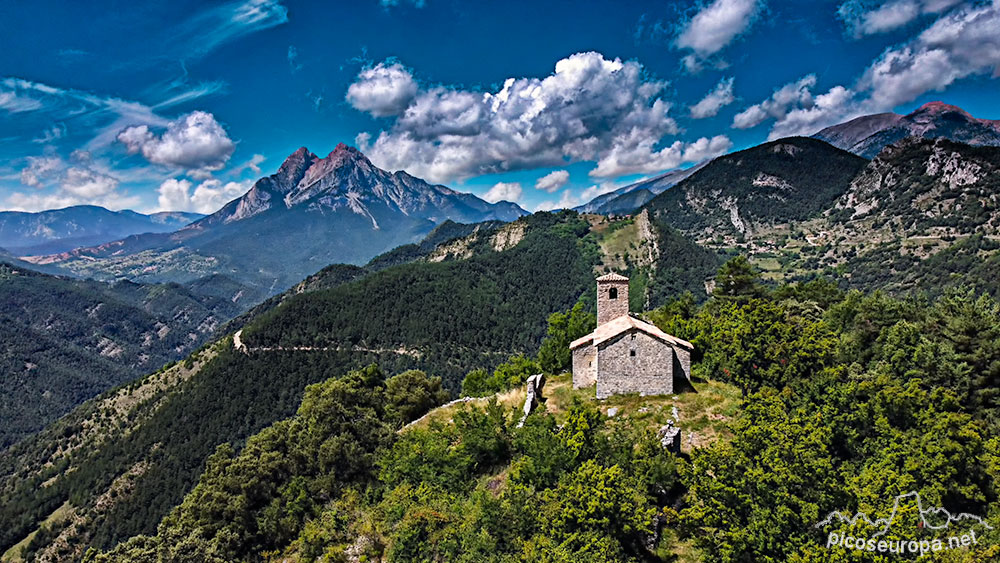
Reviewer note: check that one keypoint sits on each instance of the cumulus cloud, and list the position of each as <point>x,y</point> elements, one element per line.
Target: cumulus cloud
<point>587,110</point>
<point>552,181</point>
<point>790,96</point>
<point>88,184</point>
<point>39,169</point>
<point>383,90</point>
<point>957,45</point>
<point>835,106</point>
<point>638,155</point>
<point>889,16</point>
<point>504,191</point>
<point>716,25</point>
<point>962,43</point>
<point>715,100</point>
<point>208,197</point>
<point>195,142</point>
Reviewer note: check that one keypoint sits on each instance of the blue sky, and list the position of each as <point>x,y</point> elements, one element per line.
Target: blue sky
<point>181,105</point>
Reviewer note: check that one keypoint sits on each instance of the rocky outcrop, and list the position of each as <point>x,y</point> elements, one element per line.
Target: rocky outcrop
<point>533,397</point>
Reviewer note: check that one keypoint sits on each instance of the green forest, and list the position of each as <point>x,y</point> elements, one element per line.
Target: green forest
<point>848,400</point>
<point>63,341</point>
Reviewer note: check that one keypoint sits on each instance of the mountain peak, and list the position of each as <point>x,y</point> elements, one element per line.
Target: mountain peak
<point>933,109</point>
<point>346,153</point>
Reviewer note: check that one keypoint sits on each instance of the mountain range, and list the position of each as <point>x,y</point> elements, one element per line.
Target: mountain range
<point>867,135</point>
<point>312,212</point>
<point>634,196</point>
<point>61,230</point>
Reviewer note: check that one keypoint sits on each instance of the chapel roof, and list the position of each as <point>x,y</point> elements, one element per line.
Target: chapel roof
<point>612,277</point>
<point>623,324</point>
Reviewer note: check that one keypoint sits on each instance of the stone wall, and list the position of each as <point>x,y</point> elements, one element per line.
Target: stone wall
<point>682,363</point>
<point>584,366</point>
<point>649,371</point>
<point>609,309</point>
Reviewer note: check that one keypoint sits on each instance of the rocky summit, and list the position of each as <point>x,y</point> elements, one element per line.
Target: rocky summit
<point>868,135</point>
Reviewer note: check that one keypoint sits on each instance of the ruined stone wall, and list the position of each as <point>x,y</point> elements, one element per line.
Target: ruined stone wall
<point>584,366</point>
<point>649,371</point>
<point>609,309</point>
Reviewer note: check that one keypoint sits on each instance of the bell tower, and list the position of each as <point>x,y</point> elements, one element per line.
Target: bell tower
<point>612,297</point>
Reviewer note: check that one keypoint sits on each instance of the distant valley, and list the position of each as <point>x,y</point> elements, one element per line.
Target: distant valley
<point>66,340</point>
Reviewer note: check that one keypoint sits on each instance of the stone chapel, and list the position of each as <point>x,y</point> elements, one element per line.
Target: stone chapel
<point>625,354</point>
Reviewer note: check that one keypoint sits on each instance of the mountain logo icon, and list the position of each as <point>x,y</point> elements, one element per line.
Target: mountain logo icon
<point>927,517</point>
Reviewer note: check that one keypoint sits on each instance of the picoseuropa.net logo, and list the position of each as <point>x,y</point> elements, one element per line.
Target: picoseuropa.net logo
<point>930,520</point>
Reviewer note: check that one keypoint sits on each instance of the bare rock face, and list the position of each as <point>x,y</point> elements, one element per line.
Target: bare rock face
<point>922,181</point>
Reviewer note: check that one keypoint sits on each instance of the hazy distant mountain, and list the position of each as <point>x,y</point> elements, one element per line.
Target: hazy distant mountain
<point>60,230</point>
<point>634,196</point>
<point>867,135</point>
<point>311,213</point>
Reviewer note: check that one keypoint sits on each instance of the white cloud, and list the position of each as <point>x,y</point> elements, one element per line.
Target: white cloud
<point>705,148</point>
<point>713,27</point>
<point>77,185</point>
<point>552,181</point>
<point>174,195</point>
<point>835,106</point>
<point>208,197</point>
<point>54,133</point>
<point>962,43</point>
<point>383,90</point>
<point>40,169</point>
<point>638,156</point>
<point>14,102</point>
<point>221,24</point>
<point>504,191</point>
<point>790,96</point>
<point>888,16</point>
<point>194,142</point>
<point>584,111</point>
<point>88,184</point>
<point>715,100</point>
<point>253,165</point>
<point>958,45</point>
<point>598,190</point>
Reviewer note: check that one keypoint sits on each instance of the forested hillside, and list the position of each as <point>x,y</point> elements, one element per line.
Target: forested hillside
<point>921,217</point>
<point>848,400</point>
<point>473,302</point>
<point>740,194</point>
<point>64,340</point>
